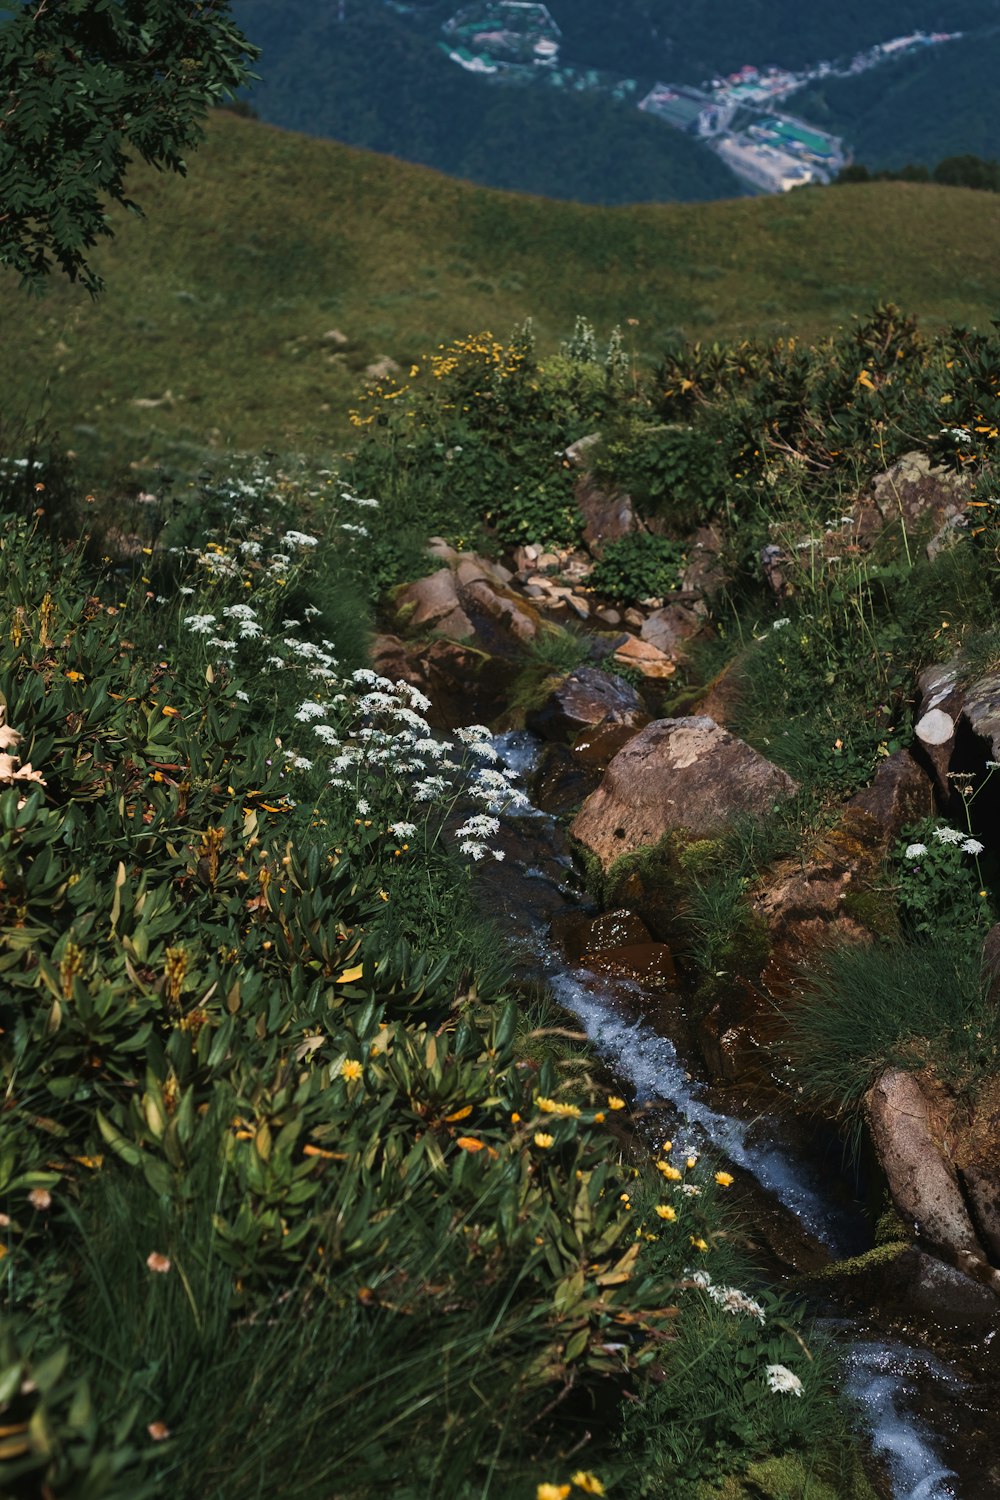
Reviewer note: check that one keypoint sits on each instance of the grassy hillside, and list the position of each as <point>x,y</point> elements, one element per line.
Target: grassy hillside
<point>221,306</point>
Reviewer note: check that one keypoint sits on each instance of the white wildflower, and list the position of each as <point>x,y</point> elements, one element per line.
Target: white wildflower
<point>301,539</point>
<point>200,624</point>
<point>403,830</point>
<point>298,762</point>
<point>781,1380</point>
<point>472,849</point>
<point>972,846</point>
<point>241,696</point>
<point>914,851</point>
<point>949,835</point>
<point>364,807</point>
<point>309,711</point>
<point>732,1300</point>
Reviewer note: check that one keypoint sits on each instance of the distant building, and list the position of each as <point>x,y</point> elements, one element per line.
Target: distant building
<point>764,166</point>
<point>684,108</point>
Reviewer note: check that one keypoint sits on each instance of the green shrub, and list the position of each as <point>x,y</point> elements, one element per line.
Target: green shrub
<point>638,566</point>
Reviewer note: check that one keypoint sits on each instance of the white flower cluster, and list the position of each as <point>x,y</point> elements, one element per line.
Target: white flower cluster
<point>732,1300</point>
<point>952,836</point>
<point>383,745</point>
<point>783,1381</point>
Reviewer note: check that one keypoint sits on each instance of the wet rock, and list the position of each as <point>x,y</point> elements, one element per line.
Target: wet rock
<point>903,1282</point>
<point>670,628</point>
<point>922,1179</point>
<point>512,618</point>
<point>562,782</point>
<point>579,937</point>
<point>597,747</point>
<point>606,516</point>
<point>586,697</point>
<point>465,685</point>
<point>649,964</point>
<point>645,658</point>
<point>676,773</point>
<point>732,1049</point>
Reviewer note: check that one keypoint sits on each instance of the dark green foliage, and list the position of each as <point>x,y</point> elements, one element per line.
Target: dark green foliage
<point>84,81</point>
<point>638,566</point>
<point>954,171</point>
<point>939,101</point>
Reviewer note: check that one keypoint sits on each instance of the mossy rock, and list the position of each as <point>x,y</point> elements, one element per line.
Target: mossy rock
<point>791,1477</point>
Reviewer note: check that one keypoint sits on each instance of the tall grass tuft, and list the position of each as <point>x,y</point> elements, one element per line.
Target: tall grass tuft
<point>909,1005</point>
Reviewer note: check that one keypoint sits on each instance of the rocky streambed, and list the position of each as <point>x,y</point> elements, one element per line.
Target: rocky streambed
<point>893,1235</point>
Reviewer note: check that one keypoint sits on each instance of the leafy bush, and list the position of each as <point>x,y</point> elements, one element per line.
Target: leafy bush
<point>638,566</point>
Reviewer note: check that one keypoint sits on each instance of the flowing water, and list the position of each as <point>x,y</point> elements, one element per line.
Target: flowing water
<point>907,1395</point>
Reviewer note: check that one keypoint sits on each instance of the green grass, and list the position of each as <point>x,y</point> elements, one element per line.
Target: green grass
<point>910,1005</point>
<point>218,304</point>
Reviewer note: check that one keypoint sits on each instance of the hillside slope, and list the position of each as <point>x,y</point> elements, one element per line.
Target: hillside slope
<point>245,309</point>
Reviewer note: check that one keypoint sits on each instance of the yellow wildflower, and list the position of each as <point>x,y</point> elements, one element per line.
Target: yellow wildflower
<point>350,1069</point>
<point>544,1141</point>
<point>665,1211</point>
<point>615,1103</point>
<point>667,1146</point>
<point>692,1161</point>
<point>589,1483</point>
<point>552,1492</point>
<point>724,1179</point>
<point>553,1107</point>
<point>698,1242</point>
<point>669,1172</point>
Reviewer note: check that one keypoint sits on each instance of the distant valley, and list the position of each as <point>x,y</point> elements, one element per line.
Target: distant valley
<point>648,100</point>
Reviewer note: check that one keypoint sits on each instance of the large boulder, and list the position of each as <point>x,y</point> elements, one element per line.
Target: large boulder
<point>676,773</point>
<point>909,1128</point>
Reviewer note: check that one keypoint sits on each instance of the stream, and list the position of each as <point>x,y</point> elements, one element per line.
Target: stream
<point>792,1174</point>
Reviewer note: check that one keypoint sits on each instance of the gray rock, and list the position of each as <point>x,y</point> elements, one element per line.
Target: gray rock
<point>676,773</point>
<point>669,628</point>
<point>607,516</point>
<point>923,1181</point>
<point>587,696</point>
